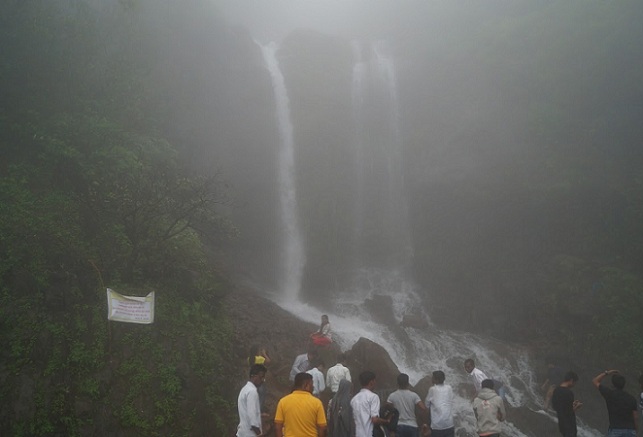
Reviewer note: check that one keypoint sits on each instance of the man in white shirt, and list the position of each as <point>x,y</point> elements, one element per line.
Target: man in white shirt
<point>248,404</point>
<point>318,377</point>
<point>439,401</point>
<point>366,406</point>
<point>301,364</point>
<point>476,374</point>
<point>405,401</point>
<point>337,373</point>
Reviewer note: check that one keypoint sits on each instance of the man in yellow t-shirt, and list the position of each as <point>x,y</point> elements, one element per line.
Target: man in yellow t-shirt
<point>300,414</point>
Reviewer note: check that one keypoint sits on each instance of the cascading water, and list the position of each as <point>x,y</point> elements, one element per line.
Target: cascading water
<point>294,258</point>
<point>416,352</point>
<point>360,155</point>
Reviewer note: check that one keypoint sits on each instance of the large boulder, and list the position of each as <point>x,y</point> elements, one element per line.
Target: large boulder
<point>368,355</point>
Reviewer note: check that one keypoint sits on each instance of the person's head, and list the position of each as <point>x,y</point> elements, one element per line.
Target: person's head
<point>438,377</point>
<point>341,357</point>
<point>403,380</point>
<point>618,381</point>
<point>570,378</point>
<point>487,383</point>
<point>312,355</point>
<point>367,379</point>
<point>317,363</point>
<point>469,365</point>
<point>324,319</point>
<point>303,381</point>
<point>257,374</point>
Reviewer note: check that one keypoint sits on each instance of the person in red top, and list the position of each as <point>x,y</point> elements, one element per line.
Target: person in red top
<point>324,336</point>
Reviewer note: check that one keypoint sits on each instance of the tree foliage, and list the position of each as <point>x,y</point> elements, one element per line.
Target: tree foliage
<point>93,192</point>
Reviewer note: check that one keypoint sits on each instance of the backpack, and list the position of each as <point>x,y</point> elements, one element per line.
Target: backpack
<point>387,411</point>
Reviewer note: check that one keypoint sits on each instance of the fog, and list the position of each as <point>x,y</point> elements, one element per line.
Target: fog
<point>473,165</point>
<point>481,152</point>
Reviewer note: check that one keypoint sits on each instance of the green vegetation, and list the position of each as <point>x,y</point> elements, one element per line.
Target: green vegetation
<point>95,192</point>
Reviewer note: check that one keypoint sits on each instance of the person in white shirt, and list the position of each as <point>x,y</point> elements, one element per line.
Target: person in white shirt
<point>248,404</point>
<point>337,373</point>
<point>302,364</point>
<point>366,406</point>
<point>439,401</point>
<point>318,376</point>
<point>476,374</point>
<point>405,401</point>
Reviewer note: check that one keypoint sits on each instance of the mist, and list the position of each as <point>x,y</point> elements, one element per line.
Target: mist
<point>472,165</point>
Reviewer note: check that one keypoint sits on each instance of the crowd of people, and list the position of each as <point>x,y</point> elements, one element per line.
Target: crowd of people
<point>302,413</point>
<point>404,414</point>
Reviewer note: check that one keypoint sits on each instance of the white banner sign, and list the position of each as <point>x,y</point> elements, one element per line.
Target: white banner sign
<point>131,309</point>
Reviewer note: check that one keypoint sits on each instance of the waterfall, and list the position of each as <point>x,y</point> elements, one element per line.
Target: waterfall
<point>359,154</point>
<point>382,216</point>
<point>293,260</point>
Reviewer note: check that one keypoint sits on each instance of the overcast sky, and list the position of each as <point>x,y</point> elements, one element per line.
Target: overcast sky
<point>272,19</point>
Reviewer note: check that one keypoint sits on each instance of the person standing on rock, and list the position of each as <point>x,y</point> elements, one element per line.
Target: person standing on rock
<point>338,372</point>
<point>439,401</point>
<point>621,406</point>
<point>248,403</point>
<point>405,401</point>
<point>476,374</point>
<point>300,414</point>
<point>555,376</point>
<point>302,364</point>
<point>366,406</point>
<point>259,355</point>
<point>489,409</point>
<point>562,401</point>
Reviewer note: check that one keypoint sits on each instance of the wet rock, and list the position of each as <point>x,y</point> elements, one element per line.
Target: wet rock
<point>414,321</point>
<point>368,355</point>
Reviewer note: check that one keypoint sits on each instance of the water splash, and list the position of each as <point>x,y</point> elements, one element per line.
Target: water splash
<point>418,352</point>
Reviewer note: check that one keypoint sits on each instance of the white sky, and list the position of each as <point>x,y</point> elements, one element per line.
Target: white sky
<point>272,19</point>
